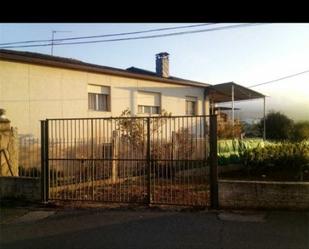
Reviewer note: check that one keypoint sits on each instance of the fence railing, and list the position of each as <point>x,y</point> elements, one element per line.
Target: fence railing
<point>127,159</point>
<point>29,156</point>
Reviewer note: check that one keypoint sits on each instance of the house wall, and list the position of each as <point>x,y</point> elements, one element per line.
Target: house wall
<point>31,93</point>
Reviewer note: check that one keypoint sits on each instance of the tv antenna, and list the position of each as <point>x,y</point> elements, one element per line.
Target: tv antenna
<point>53,36</point>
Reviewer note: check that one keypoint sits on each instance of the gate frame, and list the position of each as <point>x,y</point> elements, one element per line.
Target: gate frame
<point>213,161</point>
<point>44,162</point>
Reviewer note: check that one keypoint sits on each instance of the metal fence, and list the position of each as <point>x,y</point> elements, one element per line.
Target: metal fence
<point>159,160</point>
<point>29,156</point>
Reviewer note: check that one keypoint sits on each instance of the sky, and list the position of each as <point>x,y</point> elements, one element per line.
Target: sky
<point>246,56</point>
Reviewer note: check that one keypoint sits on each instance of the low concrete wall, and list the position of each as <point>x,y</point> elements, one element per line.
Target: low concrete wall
<point>20,187</point>
<point>265,195</point>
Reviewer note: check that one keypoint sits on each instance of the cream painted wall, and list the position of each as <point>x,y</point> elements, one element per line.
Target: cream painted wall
<point>31,93</point>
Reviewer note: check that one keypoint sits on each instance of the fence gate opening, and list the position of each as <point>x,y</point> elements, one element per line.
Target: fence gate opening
<point>159,160</point>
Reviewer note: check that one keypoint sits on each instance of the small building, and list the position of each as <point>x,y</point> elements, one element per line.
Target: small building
<point>36,86</point>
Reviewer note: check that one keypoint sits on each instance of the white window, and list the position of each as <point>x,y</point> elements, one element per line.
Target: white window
<point>191,105</point>
<point>98,98</point>
<point>149,102</point>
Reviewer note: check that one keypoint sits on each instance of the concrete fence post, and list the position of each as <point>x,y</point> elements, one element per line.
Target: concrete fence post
<point>8,147</point>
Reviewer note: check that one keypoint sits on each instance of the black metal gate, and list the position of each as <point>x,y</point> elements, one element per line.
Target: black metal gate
<point>159,160</point>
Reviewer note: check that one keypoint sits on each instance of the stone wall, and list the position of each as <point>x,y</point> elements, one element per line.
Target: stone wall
<point>8,147</point>
<point>20,187</point>
<point>264,195</point>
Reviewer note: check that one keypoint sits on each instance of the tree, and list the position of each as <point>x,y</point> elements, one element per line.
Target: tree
<point>301,131</point>
<point>278,126</point>
<point>251,130</point>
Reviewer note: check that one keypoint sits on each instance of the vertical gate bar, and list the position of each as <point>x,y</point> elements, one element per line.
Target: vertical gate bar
<point>205,156</point>
<point>92,161</point>
<point>43,180</point>
<point>148,163</point>
<point>77,154</point>
<point>73,189</point>
<point>171,162</point>
<point>73,154</point>
<point>46,162</point>
<point>52,175</point>
<point>55,164</point>
<point>213,162</point>
<point>68,162</point>
<point>51,154</point>
<point>143,156</point>
<point>52,150</point>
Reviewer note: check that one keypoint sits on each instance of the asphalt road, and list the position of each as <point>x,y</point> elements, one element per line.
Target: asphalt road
<point>157,229</point>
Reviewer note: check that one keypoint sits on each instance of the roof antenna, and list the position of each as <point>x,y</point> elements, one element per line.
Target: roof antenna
<point>53,35</point>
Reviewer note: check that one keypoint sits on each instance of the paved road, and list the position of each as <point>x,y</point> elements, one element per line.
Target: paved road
<point>157,229</point>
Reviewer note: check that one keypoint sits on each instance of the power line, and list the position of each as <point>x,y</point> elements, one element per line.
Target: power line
<point>108,35</point>
<point>282,78</point>
<point>138,37</point>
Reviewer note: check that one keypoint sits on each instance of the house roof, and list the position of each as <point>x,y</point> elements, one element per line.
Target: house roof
<point>56,61</point>
<point>223,92</point>
<point>151,73</point>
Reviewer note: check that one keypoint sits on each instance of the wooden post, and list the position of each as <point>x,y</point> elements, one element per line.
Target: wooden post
<point>214,198</point>
<point>115,156</point>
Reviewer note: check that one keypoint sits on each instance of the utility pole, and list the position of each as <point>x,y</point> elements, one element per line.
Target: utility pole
<point>53,36</point>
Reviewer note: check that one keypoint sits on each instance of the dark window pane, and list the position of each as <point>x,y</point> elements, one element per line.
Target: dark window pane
<point>102,102</point>
<point>155,109</point>
<point>147,109</point>
<point>190,107</point>
<point>91,101</point>
<point>108,103</point>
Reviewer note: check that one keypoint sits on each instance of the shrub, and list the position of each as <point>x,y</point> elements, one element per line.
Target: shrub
<point>277,155</point>
<point>278,126</point>
<point>301,131</point>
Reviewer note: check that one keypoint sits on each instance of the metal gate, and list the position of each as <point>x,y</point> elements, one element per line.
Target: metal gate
<point>153,160</point>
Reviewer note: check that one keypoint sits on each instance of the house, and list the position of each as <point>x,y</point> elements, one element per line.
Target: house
<point>35,86</point>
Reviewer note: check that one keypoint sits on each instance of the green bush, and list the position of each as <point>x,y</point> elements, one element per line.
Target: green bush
<point>229,150</point>
<point>279,127</point>
<point>277,155</point>
<point>301,131</point>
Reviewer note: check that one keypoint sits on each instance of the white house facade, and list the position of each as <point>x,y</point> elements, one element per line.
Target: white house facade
<point>34,87</point>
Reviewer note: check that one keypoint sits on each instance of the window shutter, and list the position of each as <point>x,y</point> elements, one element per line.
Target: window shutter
<point>99,89</point>
<point>190,98</point>
<point>149,99</point>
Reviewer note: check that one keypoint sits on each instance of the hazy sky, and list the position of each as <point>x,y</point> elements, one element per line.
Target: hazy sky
<point>247,56</point>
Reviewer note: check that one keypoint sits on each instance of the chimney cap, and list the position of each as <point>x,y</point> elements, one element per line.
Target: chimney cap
<point>162,54</point>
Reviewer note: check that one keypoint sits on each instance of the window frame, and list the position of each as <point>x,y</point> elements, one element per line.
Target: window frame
<point>159,108</point>
<point>97,103</point>
<point>151,109</point>
<point>189,99</point>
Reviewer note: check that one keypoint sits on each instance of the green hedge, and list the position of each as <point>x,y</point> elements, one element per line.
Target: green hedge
<point>277,155</point>
<point>229,150</point>
<point>259,153</point>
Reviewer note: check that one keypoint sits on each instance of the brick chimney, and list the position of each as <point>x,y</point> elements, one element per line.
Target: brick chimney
<point>162,65</point>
